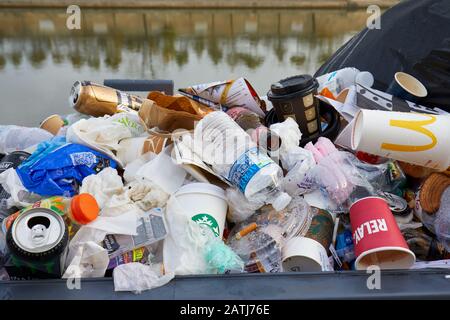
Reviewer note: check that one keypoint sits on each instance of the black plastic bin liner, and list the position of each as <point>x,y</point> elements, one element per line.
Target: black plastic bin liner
<point>414,38</point>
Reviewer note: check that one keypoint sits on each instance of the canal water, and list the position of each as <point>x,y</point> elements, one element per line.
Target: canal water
<point>40,58</point>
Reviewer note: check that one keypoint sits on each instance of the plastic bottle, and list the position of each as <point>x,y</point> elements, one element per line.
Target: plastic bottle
<point>15,138</point>
<point>233,155</point>
<point>331,84</point>
<point>249,121</point>
<point>76,211</point>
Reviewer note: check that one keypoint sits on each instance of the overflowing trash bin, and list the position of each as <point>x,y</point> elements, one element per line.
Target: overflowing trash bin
<point>206,181</point>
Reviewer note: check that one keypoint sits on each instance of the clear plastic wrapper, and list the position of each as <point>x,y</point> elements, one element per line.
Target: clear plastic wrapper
<point>240,208</point>
<point>335,175</point>
<point>387,176</point>
<point>259,239</point>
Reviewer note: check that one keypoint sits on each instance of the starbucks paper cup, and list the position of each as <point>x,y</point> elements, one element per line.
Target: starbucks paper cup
<point>415,138</point>
<point>377,237</point>
<point>205,204</point>
<point>52,124</point>
<point>302,254</point>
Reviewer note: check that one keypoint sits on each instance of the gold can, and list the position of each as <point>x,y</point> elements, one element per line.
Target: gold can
<point>97,100</point>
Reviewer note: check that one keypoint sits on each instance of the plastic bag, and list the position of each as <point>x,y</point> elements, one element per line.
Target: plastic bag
<point>19,195</point>
<point>104,134</point>
<point>387,176</point>
<point>337,177</point>
<point>15,138</point>
<point>138,277</point>
<point>61,171</point>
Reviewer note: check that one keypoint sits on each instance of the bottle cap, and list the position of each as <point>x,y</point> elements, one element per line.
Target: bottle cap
<point>281,201</point>
<point>84,208</point>
<point>365,78</point>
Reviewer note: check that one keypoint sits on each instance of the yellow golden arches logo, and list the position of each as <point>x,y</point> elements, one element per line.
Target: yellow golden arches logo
<point>415,126</point>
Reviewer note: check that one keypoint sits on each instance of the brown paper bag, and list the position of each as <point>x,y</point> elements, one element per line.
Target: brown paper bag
<point>174,113</point>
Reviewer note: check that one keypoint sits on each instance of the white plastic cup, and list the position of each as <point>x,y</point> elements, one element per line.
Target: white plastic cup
<point>205,204</point>
<point>301,254</point>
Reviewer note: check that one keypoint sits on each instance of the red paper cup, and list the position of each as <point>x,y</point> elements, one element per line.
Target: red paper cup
<point>376,236</point>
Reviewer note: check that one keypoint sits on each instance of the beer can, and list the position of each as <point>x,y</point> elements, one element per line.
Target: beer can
<point>97,100</point>
<point>12,160</point>
<point>399,207</point>
<point>38,240</point>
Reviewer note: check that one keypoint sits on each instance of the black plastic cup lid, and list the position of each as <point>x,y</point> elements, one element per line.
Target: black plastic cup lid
<point>293,84</point>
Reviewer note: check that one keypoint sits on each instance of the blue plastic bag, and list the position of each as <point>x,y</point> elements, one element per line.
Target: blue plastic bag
<point>56,168</point>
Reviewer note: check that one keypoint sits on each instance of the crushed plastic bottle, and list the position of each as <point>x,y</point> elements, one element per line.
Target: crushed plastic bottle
<point>331,84</point>
<point>233,155</point>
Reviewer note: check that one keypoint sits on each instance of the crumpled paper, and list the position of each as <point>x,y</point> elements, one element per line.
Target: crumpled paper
<point>146,194</point>
<point>138,277</point>
<point>103,185</point>
<point>290,135</point>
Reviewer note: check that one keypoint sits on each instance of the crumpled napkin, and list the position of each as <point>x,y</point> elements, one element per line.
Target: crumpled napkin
<point>138,277</point>
<point>103,185</point>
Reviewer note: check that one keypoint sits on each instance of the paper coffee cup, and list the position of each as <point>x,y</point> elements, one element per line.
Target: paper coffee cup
<point>377,237</point>
<point>52,124</point>
<point>416,138</point>
<point>407,87</point>
<point>321,228</point>
<point>302,254</point>
<point>205,204</point>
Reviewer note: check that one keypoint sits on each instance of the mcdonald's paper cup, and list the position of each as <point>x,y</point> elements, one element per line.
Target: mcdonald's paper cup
<point>301,254</point>
<point>376,236</point>
<point>52,124</point>
<point>205,204</point>
<point>416,138</point>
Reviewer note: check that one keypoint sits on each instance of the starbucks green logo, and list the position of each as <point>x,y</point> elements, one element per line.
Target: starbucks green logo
<point>207,220</point>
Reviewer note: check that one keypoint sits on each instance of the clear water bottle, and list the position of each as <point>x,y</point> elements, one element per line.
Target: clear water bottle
<point>15,138</point>
<point>224,145</point>
<point>335,82</point>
